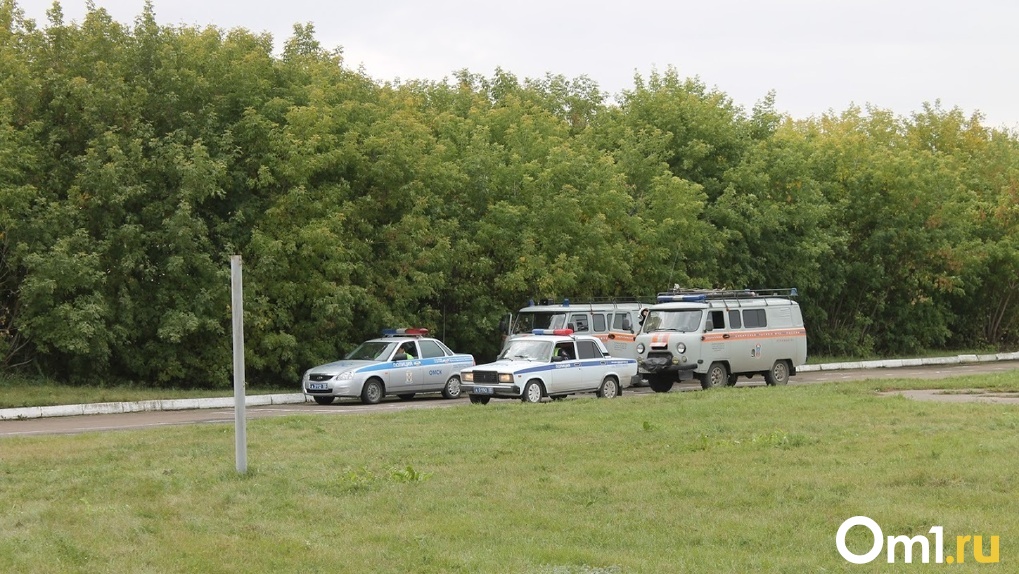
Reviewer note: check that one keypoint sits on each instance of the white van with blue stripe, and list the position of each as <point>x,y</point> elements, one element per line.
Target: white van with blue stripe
<point>549,363</point>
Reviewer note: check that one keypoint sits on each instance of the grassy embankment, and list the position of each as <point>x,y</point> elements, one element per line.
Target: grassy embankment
<point>731,480</point>
<point>39,392</point>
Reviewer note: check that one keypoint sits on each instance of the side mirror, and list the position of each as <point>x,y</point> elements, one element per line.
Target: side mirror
<point>558,358</point>
<point>401,356</point>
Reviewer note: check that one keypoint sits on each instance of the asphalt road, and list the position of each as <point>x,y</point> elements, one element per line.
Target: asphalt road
<point>151,419</point>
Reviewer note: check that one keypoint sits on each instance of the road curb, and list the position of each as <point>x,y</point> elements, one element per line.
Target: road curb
<point>141,406</point>
<point>262,400</point>
<point>896,363</point>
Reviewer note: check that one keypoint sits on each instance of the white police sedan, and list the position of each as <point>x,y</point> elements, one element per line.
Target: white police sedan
<point>403,362</point>
<point>549,363</point>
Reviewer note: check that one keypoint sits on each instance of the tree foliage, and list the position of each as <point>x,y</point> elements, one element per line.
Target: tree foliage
<point>135,159</point>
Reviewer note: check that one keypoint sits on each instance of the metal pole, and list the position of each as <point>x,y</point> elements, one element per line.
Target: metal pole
<point>240,421</point>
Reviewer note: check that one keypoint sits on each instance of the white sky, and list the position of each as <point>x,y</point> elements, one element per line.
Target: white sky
<point>817,55</point>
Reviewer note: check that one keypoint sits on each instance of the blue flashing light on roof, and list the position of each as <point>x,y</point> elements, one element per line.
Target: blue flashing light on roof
<point>566,302</point>
<point>530,302</point>
<point>420,332</point>
<point>793,292</point>
<point>560,332</point>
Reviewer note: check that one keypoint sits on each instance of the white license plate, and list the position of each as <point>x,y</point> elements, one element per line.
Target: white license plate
<point>318,387</point>
<point>482,390</point>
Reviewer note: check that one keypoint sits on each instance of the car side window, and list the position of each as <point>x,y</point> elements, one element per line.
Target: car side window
<point>599,322</point>
<point>430,349</point>
<point>409,348</point>
<point>588,350</point>
<point>565,350</point>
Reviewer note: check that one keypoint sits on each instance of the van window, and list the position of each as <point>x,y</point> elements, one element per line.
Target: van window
<point>781,317</point>
<point>599,322</point>
<point>619,322</point>
<point>755,318</point>
<point>588,350</point>
<point>734,320</point>
<point>580,323</point>
<point>716,320</point>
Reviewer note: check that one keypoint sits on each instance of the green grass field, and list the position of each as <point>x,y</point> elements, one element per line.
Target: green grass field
<point>731,480</point>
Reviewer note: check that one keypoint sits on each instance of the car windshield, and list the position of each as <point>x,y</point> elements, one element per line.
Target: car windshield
<point>528,321</point>
<point>685,320</point>
<point>372,351</point>
<point>527,350</point>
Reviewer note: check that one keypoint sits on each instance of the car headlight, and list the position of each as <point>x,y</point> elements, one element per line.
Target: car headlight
<point>680,348</point>
<point>505,378</point>
<point>468,377</point>
<point>640,348</point>
<point>345,376</point>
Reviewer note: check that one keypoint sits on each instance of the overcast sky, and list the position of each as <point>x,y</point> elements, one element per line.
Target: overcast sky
<point>817,55</point>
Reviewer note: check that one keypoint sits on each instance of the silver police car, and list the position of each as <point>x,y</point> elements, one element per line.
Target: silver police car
<point>403,362</point>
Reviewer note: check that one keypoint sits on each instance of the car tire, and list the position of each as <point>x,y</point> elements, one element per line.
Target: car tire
<point>609,388</point>
<point>659,384</point>
<point>324,400</point>
<point>452,388</point>
<point>479,400</point>
<point>778,375</point>
<point>372,392</point>
<point>717,376</point>
<point>532,392</point>
<point>406,396</point>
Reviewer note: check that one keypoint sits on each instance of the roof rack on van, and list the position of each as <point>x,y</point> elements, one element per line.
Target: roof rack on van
<point>566,302</point>
<point>679,294</point>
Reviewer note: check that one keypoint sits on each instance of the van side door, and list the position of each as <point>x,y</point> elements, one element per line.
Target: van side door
<point>717,341</point>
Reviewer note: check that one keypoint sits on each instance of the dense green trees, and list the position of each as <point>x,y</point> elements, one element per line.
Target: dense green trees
<point>135,159</point>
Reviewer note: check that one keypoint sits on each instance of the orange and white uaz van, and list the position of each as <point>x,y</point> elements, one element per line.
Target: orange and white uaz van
<point>717,336</point>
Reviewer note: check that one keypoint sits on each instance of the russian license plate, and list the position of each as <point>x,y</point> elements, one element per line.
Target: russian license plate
<point>482,390</point>
<point>318,387</point>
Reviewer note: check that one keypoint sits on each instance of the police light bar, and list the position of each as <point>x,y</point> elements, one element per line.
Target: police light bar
<point>415,332</point>
<point>562,332</point>
<point>681,298</point>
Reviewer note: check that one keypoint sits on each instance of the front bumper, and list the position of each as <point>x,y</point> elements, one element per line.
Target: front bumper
<point>491,390</point>
<point>659,365</point>
<point>333,388</point>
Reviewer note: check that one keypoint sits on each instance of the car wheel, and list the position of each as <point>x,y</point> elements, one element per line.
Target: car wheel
<point>778,375</point>
<point>532,392</point>
<point>609,388</point>
<point>406,396</point>
<point>659,384</point>
<point>479,400</point>
<point>372,392</point>
<point>324,400</point>
<point>716,376</point>
<point>452,388</point>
